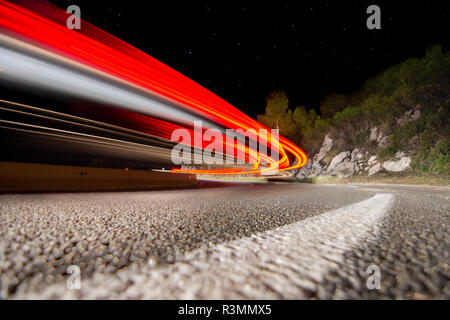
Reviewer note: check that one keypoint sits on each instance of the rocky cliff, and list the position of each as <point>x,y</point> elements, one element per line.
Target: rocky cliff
<point>395,125</point>
<point>335,161</point>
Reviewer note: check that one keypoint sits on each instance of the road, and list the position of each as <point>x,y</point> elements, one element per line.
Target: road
<point>220,241</point>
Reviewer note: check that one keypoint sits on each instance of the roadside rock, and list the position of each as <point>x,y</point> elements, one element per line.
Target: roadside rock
<point>343,165</point>
<point>397,166</point>
<point>305,170</point>
<point>373,134</point>
<point>410,115</point>
<point>326,147</point>
<point>372,160</point>
<point>384,142</point>
<point>360,156</point>
<point>314,166</point>
<point>375,169</point>
<point>337,160</point>
<point>376,135</point>
<point>355,161</point>
<point>346,168</point>
<point>355,152</point>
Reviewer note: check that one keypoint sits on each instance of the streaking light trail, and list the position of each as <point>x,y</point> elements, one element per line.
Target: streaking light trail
<point>37,50</point>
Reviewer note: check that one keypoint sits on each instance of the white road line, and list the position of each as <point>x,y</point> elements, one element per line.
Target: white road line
<point>279,263</point>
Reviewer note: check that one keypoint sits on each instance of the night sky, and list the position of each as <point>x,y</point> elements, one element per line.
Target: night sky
<point>241,51</point>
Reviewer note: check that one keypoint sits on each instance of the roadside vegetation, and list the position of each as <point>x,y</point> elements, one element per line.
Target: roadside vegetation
<point>416,84</point>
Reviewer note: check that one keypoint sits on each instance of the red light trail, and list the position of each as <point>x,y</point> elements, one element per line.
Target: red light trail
<point>43,26</point>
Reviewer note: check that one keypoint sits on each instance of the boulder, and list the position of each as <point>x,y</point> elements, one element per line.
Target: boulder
<point>375,169</point>
<point>314,166</point>
<point>342,165</point>
<point>345,168</point>
<point>384,142</point>
<point>305,170</point>
<point>397,166</point>
<point>373,134</point>
<point>410,115</point>
<point>376,135</point>
<point>326,147</point>
<point>338,159</point>
<point>354,153</point>
<point>415,115</point>
<point>372,160</point>
<point>359,156</point>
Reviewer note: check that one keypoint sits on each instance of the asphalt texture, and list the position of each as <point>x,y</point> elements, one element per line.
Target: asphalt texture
<point>118,239</point>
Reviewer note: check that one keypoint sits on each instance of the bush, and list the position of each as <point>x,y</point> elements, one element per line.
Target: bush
<point>433,160</point>
<point>332,104</point>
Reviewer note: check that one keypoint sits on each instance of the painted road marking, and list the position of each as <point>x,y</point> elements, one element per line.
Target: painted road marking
<point>280,263</point>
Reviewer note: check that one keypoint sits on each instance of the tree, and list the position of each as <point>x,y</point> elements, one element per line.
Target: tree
<point>304,119</point>
<point>277,103</point>
<point>278,116</point>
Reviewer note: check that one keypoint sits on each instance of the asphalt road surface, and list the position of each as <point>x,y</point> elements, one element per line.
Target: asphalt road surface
<point>220,241</point>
